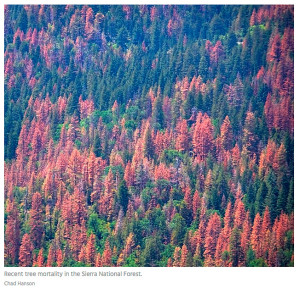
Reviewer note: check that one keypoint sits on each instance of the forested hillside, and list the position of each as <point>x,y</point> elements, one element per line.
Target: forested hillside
<point>149,135</point>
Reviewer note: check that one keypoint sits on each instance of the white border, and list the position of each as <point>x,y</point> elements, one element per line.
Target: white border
<point>168,277</point>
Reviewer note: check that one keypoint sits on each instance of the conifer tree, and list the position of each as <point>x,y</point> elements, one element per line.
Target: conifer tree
<point>26,248</point>
<point>36,220</point>
<point>123,195</point>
